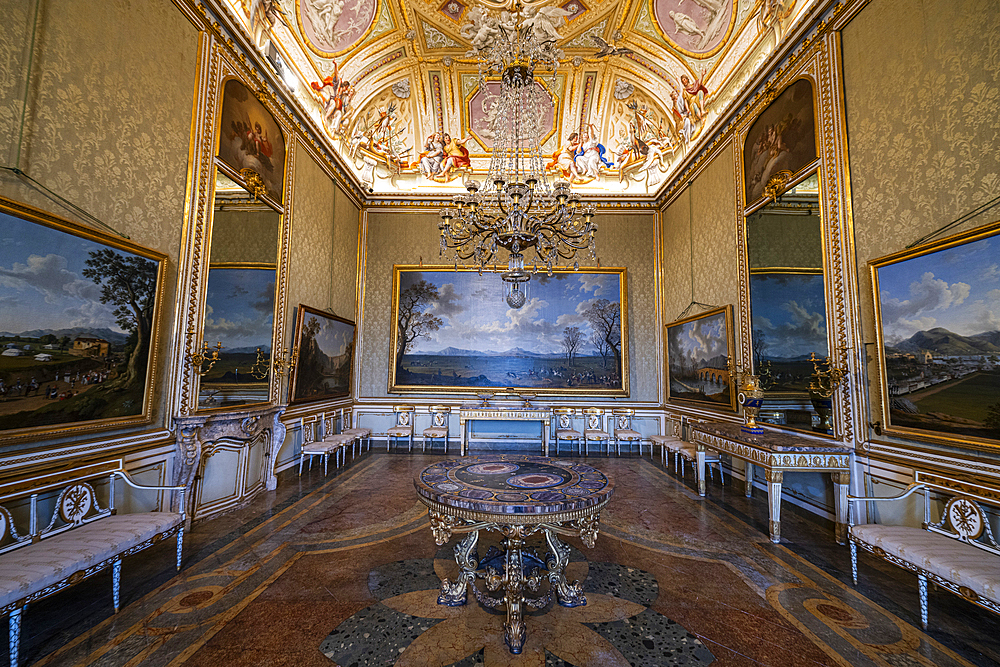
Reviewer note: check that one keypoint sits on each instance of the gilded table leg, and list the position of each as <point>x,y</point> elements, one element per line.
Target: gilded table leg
<point>545,438</point>
<point>774,479</point>
<point>455,594</point>
<point>464,442</point>
<point>841,482</point>
<point>748,474</point>
<point>569,595</point>
<point>513,580</point>
<point>700,455</point>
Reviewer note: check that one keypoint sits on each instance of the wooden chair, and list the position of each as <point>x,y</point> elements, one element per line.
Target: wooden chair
<point>564,427</point>
<point>403,427</point>
<point>438,427</point>
<point>337,442</point>
<point>594,429</point>
<point>623,430</point>
<point>311,445</point>
<point>670,441</point>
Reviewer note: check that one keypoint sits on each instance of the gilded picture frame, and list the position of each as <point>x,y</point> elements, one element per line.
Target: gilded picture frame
<point>325,364</point>
<point>453,333</point>
<point>698,351</point>
<point>80,327</point>
<point>938,342</point>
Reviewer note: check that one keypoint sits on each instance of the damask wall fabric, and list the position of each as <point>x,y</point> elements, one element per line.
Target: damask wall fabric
<point>108,120</point>
<point>923,125</point>
<point>344,291</point>
<point>407,238</point>
<point>245,237</point>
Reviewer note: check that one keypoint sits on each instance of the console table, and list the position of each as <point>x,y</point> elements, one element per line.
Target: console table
<point>468,414</point>
<point>518,496</point>
<point>777,452</point>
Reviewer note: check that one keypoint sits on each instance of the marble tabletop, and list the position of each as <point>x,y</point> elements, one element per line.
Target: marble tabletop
<point>508,484</point>
<point>772,440</point>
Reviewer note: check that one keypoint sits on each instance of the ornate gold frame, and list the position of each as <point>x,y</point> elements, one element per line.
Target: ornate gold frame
<point>730,347</point>
<point>37,216</point>
<point>451,389</point>
<point>820,62</point>
<point>924,435</point>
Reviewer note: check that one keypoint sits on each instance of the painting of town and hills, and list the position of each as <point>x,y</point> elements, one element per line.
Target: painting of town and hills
<point>454,329</point>
<point>76,324</point>
<point>326,356</point>
<point>940,315</point>
<point>698,350</point>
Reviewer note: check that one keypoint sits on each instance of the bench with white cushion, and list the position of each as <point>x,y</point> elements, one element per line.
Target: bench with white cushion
<point>959,552</point>
<point>79,540</point>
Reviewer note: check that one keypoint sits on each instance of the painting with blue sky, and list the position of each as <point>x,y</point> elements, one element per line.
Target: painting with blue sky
<point>77,318</point>
<point>326,356</point>
<point>239,313</point>
<point>698,353</point>
<point>939,311</point>
<point>453,329</point>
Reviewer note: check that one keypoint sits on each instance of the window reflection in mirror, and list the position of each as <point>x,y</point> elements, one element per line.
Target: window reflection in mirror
<point>240,295</point>
<point>788,306</point>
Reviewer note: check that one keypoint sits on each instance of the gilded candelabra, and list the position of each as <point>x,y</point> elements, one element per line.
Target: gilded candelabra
<point>260,366</point>
<point>825,379</point>
<point>205,355</point>
<point>285,362</point>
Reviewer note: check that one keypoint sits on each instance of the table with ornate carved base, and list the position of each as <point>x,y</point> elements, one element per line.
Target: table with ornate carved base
<point>518,496</point>
<point>777,452</point>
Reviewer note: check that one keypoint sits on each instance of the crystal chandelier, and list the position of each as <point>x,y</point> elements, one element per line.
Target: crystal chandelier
<point>518,210</point>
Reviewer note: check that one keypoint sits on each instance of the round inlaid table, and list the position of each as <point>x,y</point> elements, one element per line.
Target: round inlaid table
<point>518,496</point>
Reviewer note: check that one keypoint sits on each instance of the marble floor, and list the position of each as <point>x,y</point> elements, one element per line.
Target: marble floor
<point>343,570</point>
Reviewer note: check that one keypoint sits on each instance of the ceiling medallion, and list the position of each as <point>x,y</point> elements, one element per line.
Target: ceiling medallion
<point>518,210</point>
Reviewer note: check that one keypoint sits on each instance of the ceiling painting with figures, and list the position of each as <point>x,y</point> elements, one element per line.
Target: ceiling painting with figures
<point>395,86</point>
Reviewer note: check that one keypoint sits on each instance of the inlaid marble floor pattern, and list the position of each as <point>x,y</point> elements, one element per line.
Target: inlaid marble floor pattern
<point>343,570</point>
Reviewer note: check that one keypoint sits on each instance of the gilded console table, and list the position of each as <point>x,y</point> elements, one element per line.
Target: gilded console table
<point>470,414</point>
<point>516,495</point>
<point>777,452</point>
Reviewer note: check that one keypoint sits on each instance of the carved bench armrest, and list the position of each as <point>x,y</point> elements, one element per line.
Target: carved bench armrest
<point>135,485</point>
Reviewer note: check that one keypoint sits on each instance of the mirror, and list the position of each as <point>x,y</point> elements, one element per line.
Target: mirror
<point>240,298</point>
<point>788,307</point>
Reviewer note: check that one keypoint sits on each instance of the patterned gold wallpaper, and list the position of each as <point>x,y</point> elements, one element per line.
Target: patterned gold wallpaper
<point>404,238</point>
<point>310,267</point>
<point>108,119</point>
<point>343,297</point>
<point>923,118</point>
<point>245,236</point>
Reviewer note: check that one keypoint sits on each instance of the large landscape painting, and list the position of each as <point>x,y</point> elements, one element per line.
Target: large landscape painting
<point>453,332</point>
<point>789,326</point>
<point>77,323</point>
<point>326,356</point>
<point>698,352</point>
<point>939,330</point>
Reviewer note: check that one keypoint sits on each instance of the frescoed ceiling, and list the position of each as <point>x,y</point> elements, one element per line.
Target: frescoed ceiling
<point>646,78</point>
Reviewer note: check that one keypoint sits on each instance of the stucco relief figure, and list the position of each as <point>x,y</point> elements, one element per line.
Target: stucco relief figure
<point>433,155</point>
<point>264,15</point>
<point>774,15</point>
<point>480,28</point>
<point>644,144</point>
<point>456,156</point>
<point>590,156</point>
<point>337,95</point>
<point>686,24</point>
<point>564,160</point>
<point>545,22</point>
<point>323,16</point>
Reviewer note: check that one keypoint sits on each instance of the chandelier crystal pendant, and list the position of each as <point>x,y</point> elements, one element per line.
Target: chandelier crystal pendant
<point>518,210</point>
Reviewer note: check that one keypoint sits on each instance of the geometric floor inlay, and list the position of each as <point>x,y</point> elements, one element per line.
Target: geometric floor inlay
<point>408,627</point>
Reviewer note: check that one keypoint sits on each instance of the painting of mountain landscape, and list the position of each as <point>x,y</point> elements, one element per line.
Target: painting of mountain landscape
<point>939,314</point>
<point>454,331</point>
<point>698,352</point>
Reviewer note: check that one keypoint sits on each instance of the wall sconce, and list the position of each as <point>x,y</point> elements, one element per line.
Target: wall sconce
<point>284,363</point>
<point>205,355</point>
<point>826,377</point>
<point>260,366</point>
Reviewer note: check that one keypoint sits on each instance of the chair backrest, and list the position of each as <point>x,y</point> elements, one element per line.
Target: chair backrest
<point>307,427</point>
<point>564,417</point>
<point>327,424</point>
<point>404,415</point>
<point>623,418</point>
<point>674,426</point>
<point>595,418</point>
<point>439,415</point>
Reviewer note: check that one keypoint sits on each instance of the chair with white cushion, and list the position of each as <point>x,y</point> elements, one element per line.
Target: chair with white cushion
<point>438,428</point>
<point>624,431</point>
<point>564,427</point>
<point>594,429</point>
<point>668,442</point>
<point>403,427</point>
<point>688,452</point>
<point>347,420</point>
<point>312,445</point>
<point>337,442</point>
